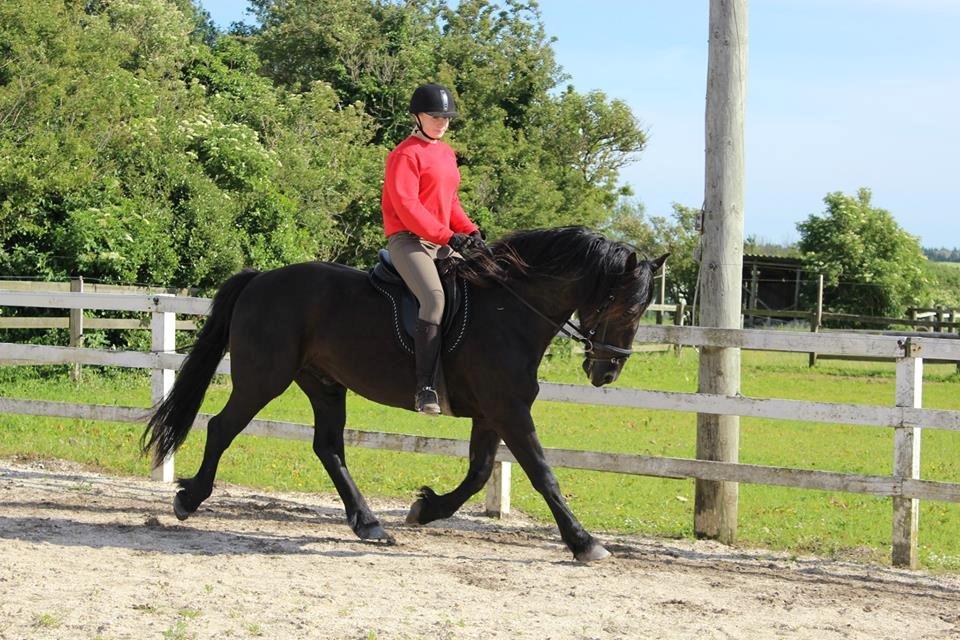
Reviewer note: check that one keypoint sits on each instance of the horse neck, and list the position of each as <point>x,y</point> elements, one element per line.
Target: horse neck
<point>556,296</point>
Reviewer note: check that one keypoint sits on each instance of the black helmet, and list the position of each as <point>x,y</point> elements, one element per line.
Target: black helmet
<point>433,99</point>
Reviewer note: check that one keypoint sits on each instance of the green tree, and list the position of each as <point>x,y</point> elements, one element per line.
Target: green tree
<point>678,235</point>
<point>529,157</point>
<point>374,52</point>
<point>870,265</point>
<point>79,110</point>
<point>138,144</point>
<point>132,151</point>
<point>944,280</point>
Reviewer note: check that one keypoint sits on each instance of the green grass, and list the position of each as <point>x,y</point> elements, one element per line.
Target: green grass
<point>801,521</point>
<point>47,621</point>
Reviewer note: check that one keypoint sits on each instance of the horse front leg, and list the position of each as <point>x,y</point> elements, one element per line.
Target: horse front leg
<point>521,438</point>
<point>483,449</point>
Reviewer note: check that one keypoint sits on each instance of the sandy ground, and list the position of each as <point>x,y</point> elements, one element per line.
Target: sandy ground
<point>83,555</point>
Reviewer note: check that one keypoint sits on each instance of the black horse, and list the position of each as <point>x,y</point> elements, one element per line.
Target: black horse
<point>324,327</point>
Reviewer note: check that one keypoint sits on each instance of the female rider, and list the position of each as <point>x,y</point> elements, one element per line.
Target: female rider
<point>423,220</point>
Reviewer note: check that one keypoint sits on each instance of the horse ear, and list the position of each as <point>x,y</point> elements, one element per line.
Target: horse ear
<point>632,261</point>
<point>658,263</point>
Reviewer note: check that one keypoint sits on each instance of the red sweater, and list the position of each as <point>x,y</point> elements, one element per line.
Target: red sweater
<point>420,192</point>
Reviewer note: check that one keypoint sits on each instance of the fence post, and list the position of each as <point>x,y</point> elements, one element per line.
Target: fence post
<point>662,296</point>
<point>76,326</point>
<point>796,292</point>
<point>163,333</point>
<point>906,457</point>
<point>817,317</point>
<point>678,321</point>
<point>956,328</point>
<point>497,502</point>
<point>754,287</point>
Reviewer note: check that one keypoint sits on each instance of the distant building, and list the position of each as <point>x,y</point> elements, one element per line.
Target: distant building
<point>772,283</point>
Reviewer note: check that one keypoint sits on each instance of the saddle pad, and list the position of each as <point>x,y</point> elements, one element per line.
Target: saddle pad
<point>456,308</point>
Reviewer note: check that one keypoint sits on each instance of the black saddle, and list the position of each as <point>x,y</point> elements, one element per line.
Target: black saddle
<point>456,309</point>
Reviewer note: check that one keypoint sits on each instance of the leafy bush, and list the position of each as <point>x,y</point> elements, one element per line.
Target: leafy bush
<point>870,265</point>
<point>945,283</point>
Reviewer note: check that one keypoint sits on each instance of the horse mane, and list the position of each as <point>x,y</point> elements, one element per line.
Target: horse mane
<point>563,252</point>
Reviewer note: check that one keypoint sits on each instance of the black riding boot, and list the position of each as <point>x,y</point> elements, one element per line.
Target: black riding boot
<point>426,339</point>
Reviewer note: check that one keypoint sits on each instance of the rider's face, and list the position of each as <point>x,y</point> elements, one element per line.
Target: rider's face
<point>434,126</point>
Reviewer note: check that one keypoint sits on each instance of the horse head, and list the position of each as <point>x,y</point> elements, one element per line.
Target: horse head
<point>610,321</point>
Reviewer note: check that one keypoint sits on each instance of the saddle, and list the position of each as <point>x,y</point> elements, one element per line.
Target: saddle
<point>456,309</point>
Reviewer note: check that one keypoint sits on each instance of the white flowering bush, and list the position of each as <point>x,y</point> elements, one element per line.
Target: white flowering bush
<point>230,153</point>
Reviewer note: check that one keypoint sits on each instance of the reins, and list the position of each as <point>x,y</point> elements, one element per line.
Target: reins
<point>586,338</point>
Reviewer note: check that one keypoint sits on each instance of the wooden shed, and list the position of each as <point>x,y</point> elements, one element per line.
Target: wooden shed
<point>772,282</point>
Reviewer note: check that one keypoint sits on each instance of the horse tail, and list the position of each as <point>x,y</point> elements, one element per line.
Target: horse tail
<point>172,418</point>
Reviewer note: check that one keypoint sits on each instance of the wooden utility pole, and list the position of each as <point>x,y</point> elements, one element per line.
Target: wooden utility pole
<point>718,437</point>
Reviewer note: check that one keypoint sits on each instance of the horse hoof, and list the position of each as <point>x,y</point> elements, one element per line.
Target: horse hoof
<point>413,517</point>
<point>179,510</point>
<point>593,554</point>
<point>376,533</point>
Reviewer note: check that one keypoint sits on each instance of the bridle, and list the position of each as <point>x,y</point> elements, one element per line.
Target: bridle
<point>586,338</point>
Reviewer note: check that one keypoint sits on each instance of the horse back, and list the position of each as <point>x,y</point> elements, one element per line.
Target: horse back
<point>294,298</point>
<point>321,317</point>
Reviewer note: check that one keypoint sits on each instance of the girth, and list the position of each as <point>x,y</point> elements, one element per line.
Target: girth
<point>456,309</point>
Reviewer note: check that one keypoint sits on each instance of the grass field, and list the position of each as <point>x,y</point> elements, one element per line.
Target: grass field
<point>802,521</point>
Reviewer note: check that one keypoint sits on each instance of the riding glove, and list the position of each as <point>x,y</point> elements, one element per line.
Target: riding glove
<point>466,244</point>
<point>460,242</point>
<point>477,241</point>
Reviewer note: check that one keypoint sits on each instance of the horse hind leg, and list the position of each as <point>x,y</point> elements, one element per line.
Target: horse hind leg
<point>329,403</point>
<point>240,409</point>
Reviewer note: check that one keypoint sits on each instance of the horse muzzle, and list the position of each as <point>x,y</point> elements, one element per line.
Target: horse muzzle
<point>601,372</point>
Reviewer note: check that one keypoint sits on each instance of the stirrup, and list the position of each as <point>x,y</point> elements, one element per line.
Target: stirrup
<point>427,402</point>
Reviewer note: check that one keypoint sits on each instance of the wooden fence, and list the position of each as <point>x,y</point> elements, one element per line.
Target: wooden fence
<point>942,321</point>
<point>76,322</point>
<point>906,418</point>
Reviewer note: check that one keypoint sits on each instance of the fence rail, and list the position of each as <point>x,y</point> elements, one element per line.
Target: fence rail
<point>663,467</point>
<point>928,321</point>
<point>79,284</point>
<point>904,485</point>
<point>65,322</point>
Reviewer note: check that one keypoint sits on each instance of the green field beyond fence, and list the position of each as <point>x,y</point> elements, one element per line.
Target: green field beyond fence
<point>801,521</point>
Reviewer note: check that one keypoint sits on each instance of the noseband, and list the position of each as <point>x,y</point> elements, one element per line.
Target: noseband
<point>590,346</point>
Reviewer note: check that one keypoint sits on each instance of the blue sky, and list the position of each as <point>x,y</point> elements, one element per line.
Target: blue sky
<point>841,94</point>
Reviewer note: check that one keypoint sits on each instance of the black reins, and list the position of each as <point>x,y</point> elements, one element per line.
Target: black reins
<point>586,338</point>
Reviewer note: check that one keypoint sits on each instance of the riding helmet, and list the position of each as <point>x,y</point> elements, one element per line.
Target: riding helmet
<point>433,99</point>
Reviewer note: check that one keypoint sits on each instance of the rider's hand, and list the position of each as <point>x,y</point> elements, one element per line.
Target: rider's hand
<point>460,242</point>
<point>476,239</point>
